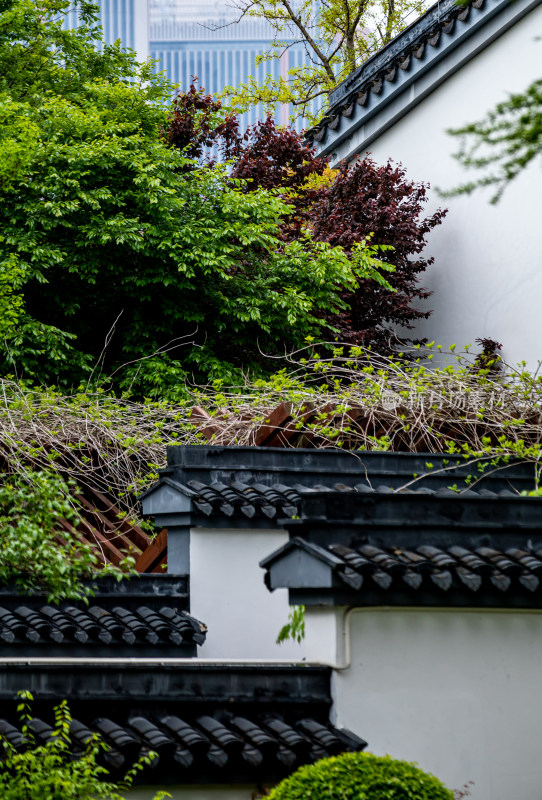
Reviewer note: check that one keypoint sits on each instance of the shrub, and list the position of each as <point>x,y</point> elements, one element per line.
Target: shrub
<point>358,202</point>
<point>361,776</point>
<point>379,200</point>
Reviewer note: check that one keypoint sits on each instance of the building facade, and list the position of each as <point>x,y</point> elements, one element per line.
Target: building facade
<point>200,41</point>
<point>206,41</point>
<point>124,20</point>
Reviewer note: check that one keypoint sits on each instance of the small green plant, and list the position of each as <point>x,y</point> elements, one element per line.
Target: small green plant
<point>501,146</point>
<point>38,551</point>
<point>51,772</point>
<point>361,776</point>
<point>295,627</point>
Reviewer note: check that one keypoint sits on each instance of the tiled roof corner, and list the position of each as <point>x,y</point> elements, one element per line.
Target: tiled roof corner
<point>414,548</point>
<point>146,618</point>
<point>444,30</point>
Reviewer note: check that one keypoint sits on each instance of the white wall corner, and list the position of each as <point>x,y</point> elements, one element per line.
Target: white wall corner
<point>228,593</point>
<point>324,636</point>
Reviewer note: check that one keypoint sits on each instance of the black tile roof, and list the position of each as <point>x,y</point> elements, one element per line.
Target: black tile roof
<point>143,616</point>
<point>212,724</point>
<point>445,18</point>
<point>214,745</point>
<point>259,485</point>
<point>311,466</point>
<point>419,548</point>
<point>426,574</point>
<point>278,500</point>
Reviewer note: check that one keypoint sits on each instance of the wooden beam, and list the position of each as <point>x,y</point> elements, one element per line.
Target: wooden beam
<point>154,554</point>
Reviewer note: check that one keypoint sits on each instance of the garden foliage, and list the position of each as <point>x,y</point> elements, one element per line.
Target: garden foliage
<point>361,202</point>
<point>123,247</point>
<point>361,776</point>
<point>368,199</point>
<point>50,771</point>
<point>38,551</point>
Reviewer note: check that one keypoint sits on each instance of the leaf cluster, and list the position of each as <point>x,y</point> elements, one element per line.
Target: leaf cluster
<point>356,204</point>
<point>503,144</point>
<point>378,201</point>
<point>294,629</point>
<point>40,551</point>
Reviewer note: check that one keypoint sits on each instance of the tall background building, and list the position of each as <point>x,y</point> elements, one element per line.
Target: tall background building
<point>202,40</point>
<point>205,41</point>
<point>127,20</point>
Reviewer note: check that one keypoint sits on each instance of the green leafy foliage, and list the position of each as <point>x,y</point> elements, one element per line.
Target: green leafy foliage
<point>125,248</point>
<point>338,36</point>
<point>361,776</point>
<point>503,144</point>
<point>33,506</point>
<point>11,302</point>
<point>50,772</point>
<point>295,627</point>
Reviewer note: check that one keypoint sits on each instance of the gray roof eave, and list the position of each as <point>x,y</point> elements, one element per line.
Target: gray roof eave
<point>397,47</point>
<point>308,547</point>
<point>388,92</point>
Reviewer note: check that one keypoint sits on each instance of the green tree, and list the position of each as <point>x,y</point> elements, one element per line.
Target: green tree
<point>337,35</point>
<point>125,248</point>
<point>503,144</point>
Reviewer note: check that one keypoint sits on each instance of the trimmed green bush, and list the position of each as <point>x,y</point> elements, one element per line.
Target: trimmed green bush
<point>361,776</point>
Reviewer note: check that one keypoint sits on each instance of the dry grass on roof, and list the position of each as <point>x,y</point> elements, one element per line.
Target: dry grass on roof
<point>372,402</point>
<point>353,399</point>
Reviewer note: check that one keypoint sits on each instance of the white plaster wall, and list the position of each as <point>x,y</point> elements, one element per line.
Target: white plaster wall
<point>457,691</point>
<point>228,593</point>
<point>324,634</point>
<point>195,792</point>
<point>487,277</point>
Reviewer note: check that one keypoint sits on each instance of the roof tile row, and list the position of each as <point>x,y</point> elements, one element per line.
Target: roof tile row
<point>98,625</point>
<point>218,740</point>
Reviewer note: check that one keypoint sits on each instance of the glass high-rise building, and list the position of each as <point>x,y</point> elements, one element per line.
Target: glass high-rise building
<point>191,39</point>
<point>127,20</point>
<point>204,40</point>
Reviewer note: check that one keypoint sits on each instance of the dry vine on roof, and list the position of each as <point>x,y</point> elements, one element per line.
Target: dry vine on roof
<point>353,398</point>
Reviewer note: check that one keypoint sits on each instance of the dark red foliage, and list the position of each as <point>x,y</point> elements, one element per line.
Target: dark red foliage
<point>276,158</point>
<point>489,359</point>
<point>196,124</point>
<point>366,198</point>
